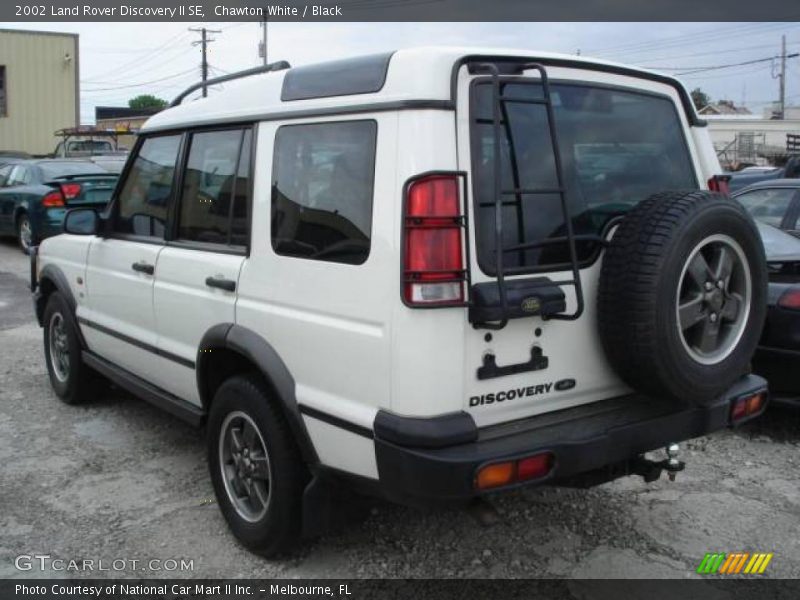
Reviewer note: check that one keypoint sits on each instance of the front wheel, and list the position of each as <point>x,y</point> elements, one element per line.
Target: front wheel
<point>72,380</point>
<point>256,468</point>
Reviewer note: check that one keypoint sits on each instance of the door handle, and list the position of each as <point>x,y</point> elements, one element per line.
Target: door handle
<point>143,267</point>
<point>229,285</point>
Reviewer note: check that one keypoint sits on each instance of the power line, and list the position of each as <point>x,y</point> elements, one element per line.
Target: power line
<point>740,64</point>
<point>147,57</point>
<point>141,83</point>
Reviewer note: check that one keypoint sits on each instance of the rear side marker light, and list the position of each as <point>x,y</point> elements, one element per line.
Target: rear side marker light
<point>747,406</point>
<point>53,199</point>
<point>507,473</point>
<point>790,299</point>
<point>434,242</point>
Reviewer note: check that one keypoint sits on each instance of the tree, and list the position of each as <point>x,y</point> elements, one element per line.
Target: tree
<point>147,101</point>
<point>700,98</point>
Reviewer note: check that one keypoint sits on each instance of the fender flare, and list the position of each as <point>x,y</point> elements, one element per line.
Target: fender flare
<point>261,353</point>
<point>59,281</point>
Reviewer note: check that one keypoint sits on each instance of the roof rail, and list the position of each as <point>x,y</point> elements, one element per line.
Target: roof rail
<point>276,66</point>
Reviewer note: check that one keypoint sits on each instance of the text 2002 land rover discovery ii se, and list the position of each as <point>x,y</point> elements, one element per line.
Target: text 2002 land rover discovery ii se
<point>434,274</point>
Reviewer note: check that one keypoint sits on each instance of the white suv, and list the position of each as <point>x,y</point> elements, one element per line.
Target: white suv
<point>431,274</point>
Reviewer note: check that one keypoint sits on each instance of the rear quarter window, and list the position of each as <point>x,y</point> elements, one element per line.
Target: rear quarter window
<point>323,176</point>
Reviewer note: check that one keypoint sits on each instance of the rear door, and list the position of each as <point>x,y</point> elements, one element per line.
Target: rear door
<point>197,273</point>
<point>118,319</point>
<point>616,145</point>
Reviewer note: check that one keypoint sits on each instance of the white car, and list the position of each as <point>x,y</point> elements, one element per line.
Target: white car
<point>431,274</point>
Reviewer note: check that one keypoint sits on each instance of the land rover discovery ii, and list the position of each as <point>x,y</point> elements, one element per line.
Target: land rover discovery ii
<point>432,274</point>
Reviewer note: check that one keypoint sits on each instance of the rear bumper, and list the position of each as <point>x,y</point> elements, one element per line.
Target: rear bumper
<point>600,436</point>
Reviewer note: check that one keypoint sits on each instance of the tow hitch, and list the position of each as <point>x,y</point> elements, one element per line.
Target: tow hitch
<point>650,470</point>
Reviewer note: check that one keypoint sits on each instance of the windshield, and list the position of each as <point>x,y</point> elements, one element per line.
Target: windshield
<point>54,170</point>
<point>616,147</point>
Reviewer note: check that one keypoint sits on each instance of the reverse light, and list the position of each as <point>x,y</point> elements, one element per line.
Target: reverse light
<point>71,190</point>
<point>720,183</point>
<point>747,406</point>
<point>433,253</point>
<point>53,199</point>
<point>509,472</point>
<point>790,299</point>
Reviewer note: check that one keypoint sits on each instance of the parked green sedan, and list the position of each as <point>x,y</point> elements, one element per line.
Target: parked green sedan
<point>36,194</point>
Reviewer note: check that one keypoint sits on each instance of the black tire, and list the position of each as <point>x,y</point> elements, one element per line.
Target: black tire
<point>277,530</point>
<point>78,383</point>
<point>646,270</point>
<point>22,222</point>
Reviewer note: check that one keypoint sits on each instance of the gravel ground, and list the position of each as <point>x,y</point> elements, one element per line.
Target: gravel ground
<point>119,479</point>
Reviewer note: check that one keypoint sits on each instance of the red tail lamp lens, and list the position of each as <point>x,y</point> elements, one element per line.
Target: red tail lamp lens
<point>790,299</point>
<point>71,190</point>
<point>534,467</point>
<point>719,183</point>
<point>433,272</point>
<point>53,199</point>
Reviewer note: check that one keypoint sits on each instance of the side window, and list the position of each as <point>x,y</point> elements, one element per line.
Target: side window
<point>17,176</point>
<point>144,197</point>
<point>213,206</point>
<point>768,205</point>
<point>322,182</point>
<point>4,175</point>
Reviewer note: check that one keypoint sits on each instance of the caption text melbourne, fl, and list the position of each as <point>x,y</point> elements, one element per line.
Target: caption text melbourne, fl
<point>171,12</point>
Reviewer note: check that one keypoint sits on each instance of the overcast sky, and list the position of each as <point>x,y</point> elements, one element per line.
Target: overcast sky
<point>122,60</point>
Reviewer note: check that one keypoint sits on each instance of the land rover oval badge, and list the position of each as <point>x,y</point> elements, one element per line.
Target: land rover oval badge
<point>532,304</point>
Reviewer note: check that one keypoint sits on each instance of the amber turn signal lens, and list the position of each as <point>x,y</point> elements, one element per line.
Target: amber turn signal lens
<point>754,404</point>
<point>495,475</point>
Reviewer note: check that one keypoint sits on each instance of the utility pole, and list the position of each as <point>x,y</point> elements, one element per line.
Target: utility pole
<point>203,42</point>
<point>263,45</point>
<point>782,101</point>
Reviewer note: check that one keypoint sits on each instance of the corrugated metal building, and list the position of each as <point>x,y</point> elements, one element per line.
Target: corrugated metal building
<point>38,88</point>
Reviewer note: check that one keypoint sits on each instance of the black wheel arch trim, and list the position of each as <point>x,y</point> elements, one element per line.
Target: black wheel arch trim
<point>261,353</point>
<point>58,279</point>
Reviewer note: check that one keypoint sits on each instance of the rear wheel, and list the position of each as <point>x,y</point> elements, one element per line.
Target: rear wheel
<point>24,233</point>
<point>682,296</point>
<point>256,468</point>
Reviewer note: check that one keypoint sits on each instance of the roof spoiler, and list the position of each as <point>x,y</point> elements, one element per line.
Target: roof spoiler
<point>276,66</point>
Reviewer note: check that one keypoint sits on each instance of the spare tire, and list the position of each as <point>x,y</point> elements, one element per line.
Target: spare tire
<point>682,296</point>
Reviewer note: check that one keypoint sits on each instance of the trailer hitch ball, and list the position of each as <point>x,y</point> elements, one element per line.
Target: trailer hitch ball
<point>673,464</point>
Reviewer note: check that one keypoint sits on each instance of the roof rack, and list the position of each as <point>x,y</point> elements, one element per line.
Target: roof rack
<point>276,66</point>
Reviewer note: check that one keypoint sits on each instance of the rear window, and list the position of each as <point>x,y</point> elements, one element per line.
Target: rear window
<point>55,170</point>
<point>616,147</point>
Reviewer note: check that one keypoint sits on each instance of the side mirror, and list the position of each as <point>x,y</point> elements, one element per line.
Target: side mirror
<point>81,221</point>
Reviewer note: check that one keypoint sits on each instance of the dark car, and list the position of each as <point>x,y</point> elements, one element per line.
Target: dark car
<point>778,355</point>
<point>775,203</point>
<point>35,195</point>
<point>741,179</point>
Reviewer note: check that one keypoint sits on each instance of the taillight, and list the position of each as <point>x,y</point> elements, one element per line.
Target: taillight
<point>433,253</point>
<point>720,183</point>
<point>71,190</point>
<point>790,299</point>
<point>53,199</point>
<point>501,474</point>
<point>747,406</point>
